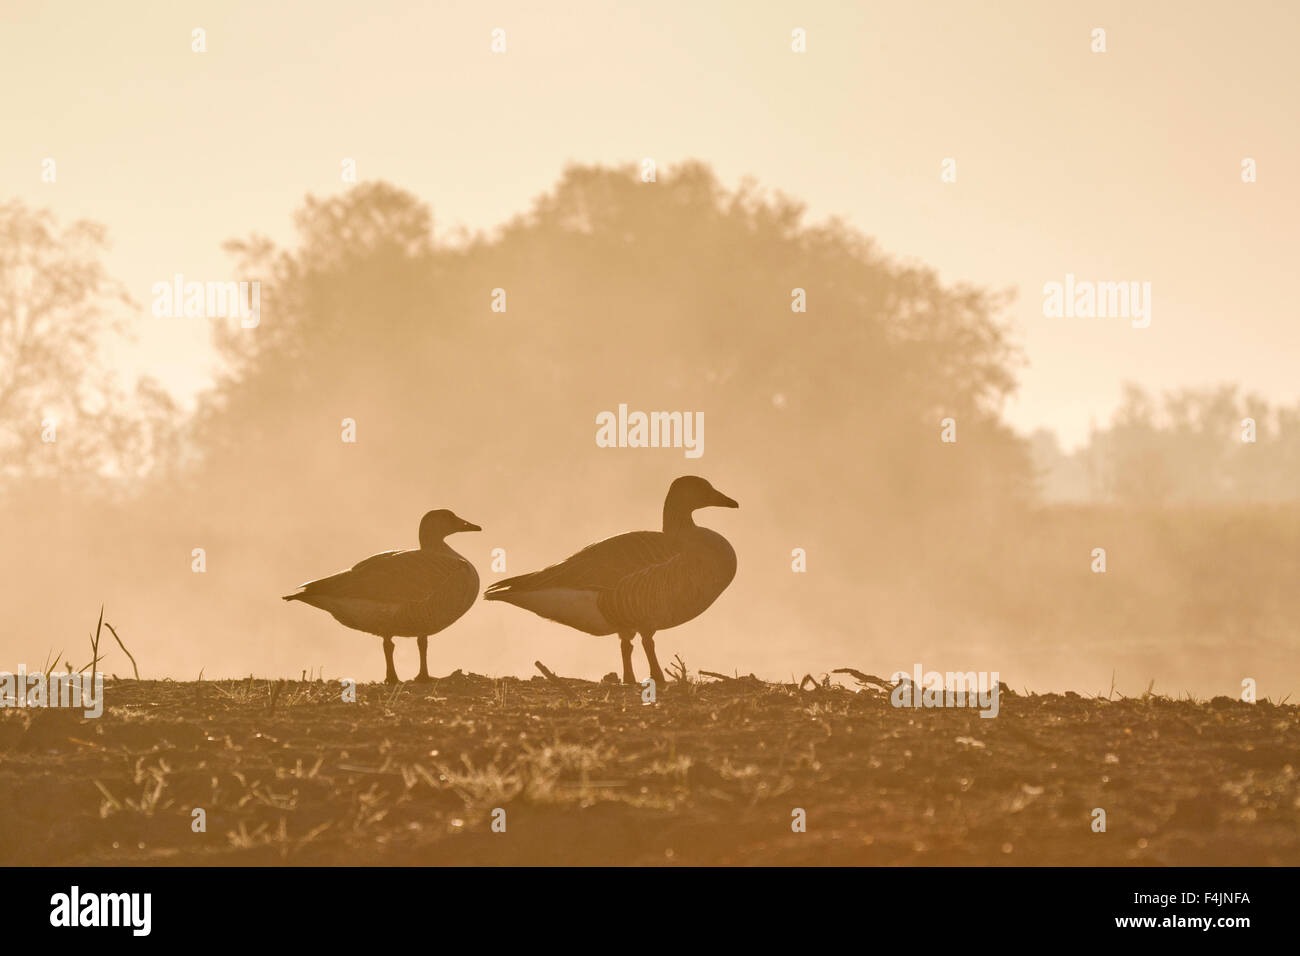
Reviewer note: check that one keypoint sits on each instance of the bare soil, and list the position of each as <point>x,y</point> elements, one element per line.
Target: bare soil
<point>586,773</point>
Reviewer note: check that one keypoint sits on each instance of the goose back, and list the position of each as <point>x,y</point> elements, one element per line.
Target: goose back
<point>642,580</point>
<point>398,593</point>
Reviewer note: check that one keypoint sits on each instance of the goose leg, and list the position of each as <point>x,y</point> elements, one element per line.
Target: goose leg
<point>391,676</point>
<point>625,644</point>
<point>423,642</point>
<point>648,645</point>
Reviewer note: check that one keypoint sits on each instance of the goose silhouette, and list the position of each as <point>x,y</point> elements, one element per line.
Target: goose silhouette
<point>639,582</point>
<point>411,593</point>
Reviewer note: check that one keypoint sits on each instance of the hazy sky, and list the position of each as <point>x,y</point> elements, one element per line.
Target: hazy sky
<point>1119,166</point>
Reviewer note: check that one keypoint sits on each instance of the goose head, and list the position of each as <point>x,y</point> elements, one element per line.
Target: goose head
<point>436,525</point>
<point>689,493</point>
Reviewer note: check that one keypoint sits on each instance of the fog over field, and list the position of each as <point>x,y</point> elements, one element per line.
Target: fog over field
<point>844,321</point>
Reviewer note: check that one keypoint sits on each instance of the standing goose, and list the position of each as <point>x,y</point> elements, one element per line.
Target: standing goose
<point>402,593</point>
<point>639,582</point>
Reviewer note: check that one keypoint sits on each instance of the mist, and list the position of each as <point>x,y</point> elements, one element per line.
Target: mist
<point>852,404</point>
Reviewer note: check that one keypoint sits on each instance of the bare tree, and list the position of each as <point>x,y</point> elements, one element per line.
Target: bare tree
<point>60,409</point>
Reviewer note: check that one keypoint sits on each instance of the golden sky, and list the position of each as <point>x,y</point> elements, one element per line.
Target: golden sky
<point>1119,166</point>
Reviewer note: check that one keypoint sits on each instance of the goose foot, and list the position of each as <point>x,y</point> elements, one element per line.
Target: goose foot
<point>391,676</point>
<point>625,645</point>
<point>656,673</point>
<point>423,677</point>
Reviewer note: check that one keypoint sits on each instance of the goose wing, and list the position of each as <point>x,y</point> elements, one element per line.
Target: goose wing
<point>396,577</point>
<point>597,567</point>
<point>668,593</point>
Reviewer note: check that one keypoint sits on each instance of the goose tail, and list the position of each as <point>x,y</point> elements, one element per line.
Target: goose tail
<point>505,589</point>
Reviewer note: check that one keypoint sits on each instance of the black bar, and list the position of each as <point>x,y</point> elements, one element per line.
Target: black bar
<point>331,904</point>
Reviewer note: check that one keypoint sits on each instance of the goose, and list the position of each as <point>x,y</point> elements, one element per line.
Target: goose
<point>639,582</point>
<point>411,593</point>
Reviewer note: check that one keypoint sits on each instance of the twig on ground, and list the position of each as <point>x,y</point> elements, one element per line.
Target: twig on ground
<point>861,678</point>
<point>275,693</point>
<point>49,668</point>
<point>549,674</point>
<point>94,646</point>
<point>112,631</point>
<point>111,799</point>
<point>349,768</point>
<point>677,669</point>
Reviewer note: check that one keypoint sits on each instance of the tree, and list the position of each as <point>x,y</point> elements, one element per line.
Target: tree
<point>667,296</point>
<point>62,416</point>
<point>1186,446</point>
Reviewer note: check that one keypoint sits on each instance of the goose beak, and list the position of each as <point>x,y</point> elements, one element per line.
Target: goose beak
<point>467,526</point>
<point>722,501</point>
